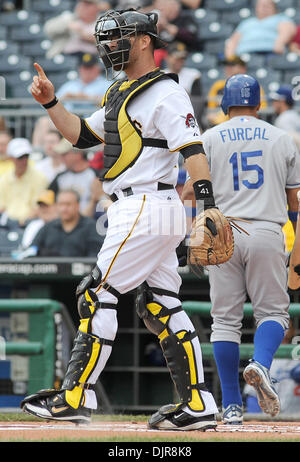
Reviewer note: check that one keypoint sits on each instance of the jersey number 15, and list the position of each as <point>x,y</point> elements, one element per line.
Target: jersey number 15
<point>234,160</point>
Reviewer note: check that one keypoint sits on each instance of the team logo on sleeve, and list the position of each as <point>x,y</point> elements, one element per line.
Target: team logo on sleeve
<point>190,121</point>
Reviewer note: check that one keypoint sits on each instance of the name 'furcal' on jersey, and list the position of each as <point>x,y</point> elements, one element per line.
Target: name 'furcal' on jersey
<point>243,134</point>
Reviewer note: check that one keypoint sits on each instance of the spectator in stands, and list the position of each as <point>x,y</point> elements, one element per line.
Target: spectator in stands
<point>21,186</point>
<point>42,126</point>
<point>232,66</point>
<point>173,25</point>
<point>266,32</point>
<point>78,175</point>
<point>72,33</point>
<point>52,163</point>
<point>87,90</point>
<point>295,42</point>
<point>287,118</point>
<point>5,162</point>
<point>189,78</point>
<point>45,212</point>
<point>71,234</point>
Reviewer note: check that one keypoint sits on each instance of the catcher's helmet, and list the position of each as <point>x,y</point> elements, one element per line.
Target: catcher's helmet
<point>119,25</point>
<point>240,90</point>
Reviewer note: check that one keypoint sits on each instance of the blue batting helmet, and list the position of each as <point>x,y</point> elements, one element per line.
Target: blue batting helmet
<point>240,90</point>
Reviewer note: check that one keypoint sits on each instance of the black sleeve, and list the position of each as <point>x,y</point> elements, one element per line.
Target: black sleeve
<point>192,149</point>
<point>87,139</point>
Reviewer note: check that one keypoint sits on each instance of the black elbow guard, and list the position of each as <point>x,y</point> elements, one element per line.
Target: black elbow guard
<point>192,149</point>
<point>86,139</point>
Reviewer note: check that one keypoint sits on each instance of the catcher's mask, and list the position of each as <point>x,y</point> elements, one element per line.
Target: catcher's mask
<point>113,30</point>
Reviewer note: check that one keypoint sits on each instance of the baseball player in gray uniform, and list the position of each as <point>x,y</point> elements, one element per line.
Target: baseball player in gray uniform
<point>255,169</point>
<point>145,120</point>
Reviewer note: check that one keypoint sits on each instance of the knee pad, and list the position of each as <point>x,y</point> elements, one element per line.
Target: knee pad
<point>176,346</point>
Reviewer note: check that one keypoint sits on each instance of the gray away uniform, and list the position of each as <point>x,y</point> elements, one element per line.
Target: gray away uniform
<point>252,163</point>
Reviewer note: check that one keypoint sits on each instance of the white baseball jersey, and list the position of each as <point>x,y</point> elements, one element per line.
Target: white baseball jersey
<point>162,111</point>
<point>251,164</point>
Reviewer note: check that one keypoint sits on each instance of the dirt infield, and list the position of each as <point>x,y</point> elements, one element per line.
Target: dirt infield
<point>138,431</point>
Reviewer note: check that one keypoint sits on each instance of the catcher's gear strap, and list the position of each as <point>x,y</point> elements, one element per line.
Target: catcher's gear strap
<point>84,358</point>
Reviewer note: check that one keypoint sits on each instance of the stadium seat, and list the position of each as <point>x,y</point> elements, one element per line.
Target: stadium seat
<point>20,18</point>
<point>253,61</point>
<point>202,15</point>
<point>209,77</point>
<point>9,240</point>
<point>235,17</point>
<point>13,63</point>
<point>284,4</point>
<point>289,77</point>
<point>30,33</point>
<point>36,49</point>
<point>3,32</point>
<point>59,78</point>
<point>48,6</point>
<point>201,61</point>
<point>8,48</point>
<point>215,47</point>
<point>20,83</point>
<point>289,61</point>
<point>293,13</point>
<point>59,63</point>
<point>270,81</point>
<point>215,31</point>
<point>223,5</point>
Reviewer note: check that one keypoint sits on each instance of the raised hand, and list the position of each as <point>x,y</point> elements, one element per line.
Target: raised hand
<point>42,89</point>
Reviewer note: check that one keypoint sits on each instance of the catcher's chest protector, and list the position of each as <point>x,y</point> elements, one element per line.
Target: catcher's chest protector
<point>123,138</point>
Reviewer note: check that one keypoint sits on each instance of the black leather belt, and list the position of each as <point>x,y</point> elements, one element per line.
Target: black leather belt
<point>129,192</point>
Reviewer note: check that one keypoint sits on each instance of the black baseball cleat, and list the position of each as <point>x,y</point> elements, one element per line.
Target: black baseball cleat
<point>51,405</point>
<point>172,417</point>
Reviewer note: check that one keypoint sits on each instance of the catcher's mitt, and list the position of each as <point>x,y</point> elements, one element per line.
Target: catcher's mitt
<point>211,238</point>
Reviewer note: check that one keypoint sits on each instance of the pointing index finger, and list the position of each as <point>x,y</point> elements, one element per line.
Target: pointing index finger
<point>40,71</point>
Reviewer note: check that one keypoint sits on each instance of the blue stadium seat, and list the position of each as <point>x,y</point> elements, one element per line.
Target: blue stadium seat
<point>9,241</point>
<point>268,80</point>
<point>284,4</point>
<point>293,13</point>
<point>59,63</point>
<point>8,48</point>
<point>36,49</point>
<point>289,77</point>
<point>223,5</point>
<point>289,61</point>
<point>19,18</point>
<point>201,61</point>
<point>59,78</point>
<point>253,61</point>
<point>48,6</point>
<point>14,63</point>
<point>216,47</point>
<point>3,32</point>
<point>202,15</point>
<point>29,33</point>
<point>20,83</point>
<point>211,76</point>
<point>215,31</point>
<point>236,16</point>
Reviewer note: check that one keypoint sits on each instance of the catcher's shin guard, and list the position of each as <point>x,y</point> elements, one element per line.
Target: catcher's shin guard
<point>177,348</point>
<point>86,351</point>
